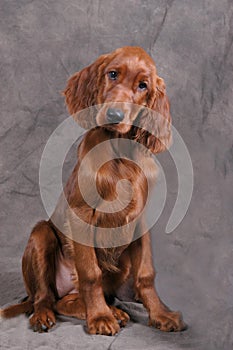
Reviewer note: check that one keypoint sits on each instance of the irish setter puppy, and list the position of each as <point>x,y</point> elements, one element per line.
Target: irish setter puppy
<point>62,274</point>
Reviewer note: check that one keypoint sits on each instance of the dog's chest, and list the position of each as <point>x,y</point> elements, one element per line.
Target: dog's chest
<point>108,259</point>
<point>135,173</point>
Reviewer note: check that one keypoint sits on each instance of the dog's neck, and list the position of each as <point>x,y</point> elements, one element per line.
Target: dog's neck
<point>120,148</point>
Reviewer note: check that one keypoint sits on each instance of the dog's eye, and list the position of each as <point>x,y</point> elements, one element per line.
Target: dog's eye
<point>142,85</point>
<point>113,75</point>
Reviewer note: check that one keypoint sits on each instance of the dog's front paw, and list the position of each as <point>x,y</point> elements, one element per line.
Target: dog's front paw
<point>168,321</point>
<point>121,316</point>
<point>105,325</point>
<point>42,321</point>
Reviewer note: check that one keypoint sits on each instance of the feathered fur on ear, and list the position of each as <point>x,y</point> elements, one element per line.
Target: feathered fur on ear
<point>154,124</point>
<point>83,91</point>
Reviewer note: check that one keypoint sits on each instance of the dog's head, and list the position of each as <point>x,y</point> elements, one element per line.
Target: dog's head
<point>128,96</point>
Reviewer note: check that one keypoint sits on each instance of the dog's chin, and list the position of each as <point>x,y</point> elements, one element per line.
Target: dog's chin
<point>121,128</point>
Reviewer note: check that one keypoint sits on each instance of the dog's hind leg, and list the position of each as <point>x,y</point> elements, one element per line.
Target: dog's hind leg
<point>73,305</point>
<point>38,265</point>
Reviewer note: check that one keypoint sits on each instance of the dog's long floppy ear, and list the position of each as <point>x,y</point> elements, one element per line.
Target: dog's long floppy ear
<point>154,123</point>
<point>83,90</point>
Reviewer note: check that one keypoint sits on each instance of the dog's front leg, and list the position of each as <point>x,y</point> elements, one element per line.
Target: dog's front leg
<point>100,319</point>
<point>144,274</point>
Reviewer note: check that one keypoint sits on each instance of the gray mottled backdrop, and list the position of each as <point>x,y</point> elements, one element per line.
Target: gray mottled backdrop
<point>42,43</point>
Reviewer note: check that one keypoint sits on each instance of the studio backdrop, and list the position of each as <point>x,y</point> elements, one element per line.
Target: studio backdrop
<point>42,44</point>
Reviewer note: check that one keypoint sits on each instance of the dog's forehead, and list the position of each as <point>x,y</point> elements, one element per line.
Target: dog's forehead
<point>134,53</point>
<point>133,62</point>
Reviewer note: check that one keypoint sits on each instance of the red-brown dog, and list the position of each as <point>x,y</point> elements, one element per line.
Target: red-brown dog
<point>61,274</point>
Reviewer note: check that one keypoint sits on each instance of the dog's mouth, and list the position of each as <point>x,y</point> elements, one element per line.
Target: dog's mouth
<point>120,128</point>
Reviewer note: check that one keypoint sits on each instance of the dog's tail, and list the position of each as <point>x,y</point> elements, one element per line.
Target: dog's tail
<point>25,307</point>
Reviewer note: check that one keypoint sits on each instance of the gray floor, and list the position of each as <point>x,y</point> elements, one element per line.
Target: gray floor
<point>42,43</point>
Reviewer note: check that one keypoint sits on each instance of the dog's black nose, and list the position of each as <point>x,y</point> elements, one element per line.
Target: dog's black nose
<point>115,115</point>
